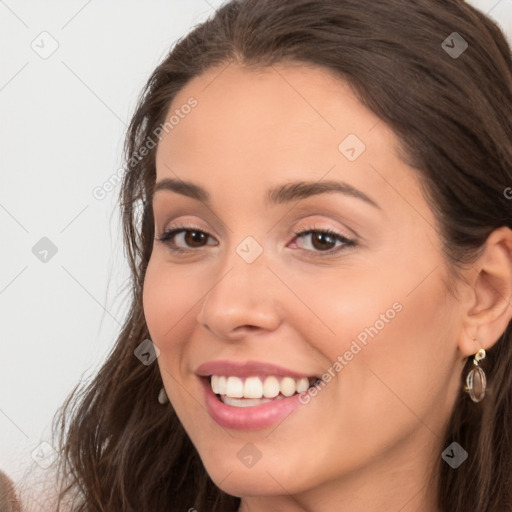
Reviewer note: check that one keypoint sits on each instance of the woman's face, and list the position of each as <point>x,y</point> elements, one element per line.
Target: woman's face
<point>365,309</point>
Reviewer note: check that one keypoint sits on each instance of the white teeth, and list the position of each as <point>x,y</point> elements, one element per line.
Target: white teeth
<point>271,387</point>
<point>222,384</point>
<point>287,386</point>
<point>215,383</point>
<point>244,402</point>
<point>234,387</point>
<point>302,385</point>
<point>219,384</point>
<point>254,389</point>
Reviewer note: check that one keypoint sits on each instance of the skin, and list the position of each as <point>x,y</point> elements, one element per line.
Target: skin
<point>369,438</point>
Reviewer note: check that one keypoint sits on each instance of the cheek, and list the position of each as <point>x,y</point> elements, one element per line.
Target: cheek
<point>389,344</point>
<point>168,299</point>
<point>341,309</point>
<point>400,371</point>
<point>168,303</point>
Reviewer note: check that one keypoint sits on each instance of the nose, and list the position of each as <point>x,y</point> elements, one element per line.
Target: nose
<point>241,301</point>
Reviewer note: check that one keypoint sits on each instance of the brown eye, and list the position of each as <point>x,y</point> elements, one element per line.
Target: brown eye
<point>195,238</point>
<point>324,241</point>
<point>183,239</point>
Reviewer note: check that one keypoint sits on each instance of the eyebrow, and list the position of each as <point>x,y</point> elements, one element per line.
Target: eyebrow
<point>279,195</point>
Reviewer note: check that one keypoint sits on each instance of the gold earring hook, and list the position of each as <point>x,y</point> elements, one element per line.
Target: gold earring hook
<point>479,356</point>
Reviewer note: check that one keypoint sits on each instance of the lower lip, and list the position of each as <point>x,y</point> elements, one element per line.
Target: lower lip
<point>247,418</point>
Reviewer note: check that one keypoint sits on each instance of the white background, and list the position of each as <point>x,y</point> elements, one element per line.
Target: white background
<point>62,125</point>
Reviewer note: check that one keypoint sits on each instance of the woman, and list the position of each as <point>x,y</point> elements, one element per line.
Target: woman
<point>317,215</point>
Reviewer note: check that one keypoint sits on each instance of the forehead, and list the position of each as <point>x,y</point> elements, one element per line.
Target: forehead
<point>284,122</point>
<point>276,106</point>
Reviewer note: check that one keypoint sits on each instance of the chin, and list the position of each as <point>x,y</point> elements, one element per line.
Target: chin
<point>262,479</point>
<point>251,484</point>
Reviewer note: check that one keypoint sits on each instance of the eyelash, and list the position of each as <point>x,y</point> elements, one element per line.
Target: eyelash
<point>167,236</point>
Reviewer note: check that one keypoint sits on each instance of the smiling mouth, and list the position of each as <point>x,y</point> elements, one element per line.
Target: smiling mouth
<point>256,390</point>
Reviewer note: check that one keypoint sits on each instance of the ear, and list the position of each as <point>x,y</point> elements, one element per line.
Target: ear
<point>490,300</point>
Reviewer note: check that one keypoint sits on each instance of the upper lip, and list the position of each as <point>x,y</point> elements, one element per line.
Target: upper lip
<point>246,369</point>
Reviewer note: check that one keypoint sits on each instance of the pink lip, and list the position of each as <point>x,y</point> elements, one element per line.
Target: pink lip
<point>248,418</point>
<point>227,368</point>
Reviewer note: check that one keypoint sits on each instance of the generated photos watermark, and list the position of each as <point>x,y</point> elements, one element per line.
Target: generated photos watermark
<point>101,191</point>
<point>343,360</point>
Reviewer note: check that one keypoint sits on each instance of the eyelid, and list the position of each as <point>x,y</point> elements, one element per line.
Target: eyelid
<point>192,215</point>
<point>322,226</point>
<point>347,242</point>
<point>168,235</point>
<point>190,226</point>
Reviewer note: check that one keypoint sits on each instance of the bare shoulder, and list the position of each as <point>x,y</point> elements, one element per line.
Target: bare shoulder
<point>36,491</point>
<point>9,500</point>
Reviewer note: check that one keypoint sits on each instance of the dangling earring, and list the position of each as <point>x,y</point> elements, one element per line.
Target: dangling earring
<point>162,397</point>
<point>476,376</point>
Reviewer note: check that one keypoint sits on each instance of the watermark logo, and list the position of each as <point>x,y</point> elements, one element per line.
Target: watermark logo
<point>249,249</point>
<point>249,455</point>
<point>147,352</point>
<point>454,45</point>
<point>454,455</point>
<point>352,147</point>
<point>45,45</point>
<point>44,455</point>
<point>44,250</point>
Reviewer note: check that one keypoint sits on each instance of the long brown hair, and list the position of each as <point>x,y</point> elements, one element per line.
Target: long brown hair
<point>452,113</point>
